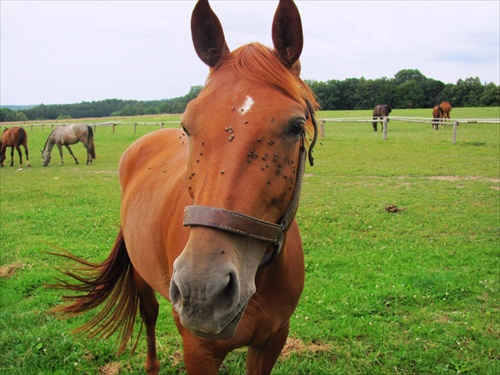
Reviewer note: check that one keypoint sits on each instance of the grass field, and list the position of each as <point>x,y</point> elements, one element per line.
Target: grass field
<point>412,292</point>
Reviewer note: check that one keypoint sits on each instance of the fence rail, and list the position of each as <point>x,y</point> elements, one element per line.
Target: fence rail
<point>416,120</point>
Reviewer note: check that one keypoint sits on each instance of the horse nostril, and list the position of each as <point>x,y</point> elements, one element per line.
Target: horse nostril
<point>227,294</point>
<point>174,292</point>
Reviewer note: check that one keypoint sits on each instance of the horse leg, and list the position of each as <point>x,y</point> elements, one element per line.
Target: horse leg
<point>27,158</point>
<point>12,156</point>
<point>89,158</point>
<point>20,153</point>
<point>200,355</point>
<point>374,124</point>
<point>149,312</point>
<point>71,153</point>
<point>61,154</point>
<point>261,359</point>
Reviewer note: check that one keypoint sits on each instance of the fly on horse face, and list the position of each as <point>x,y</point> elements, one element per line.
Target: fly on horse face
<point>14,138</point>
<point>380,111</point>
<point>437,116</point>
<point>207,212</point>
<point>66,135</point>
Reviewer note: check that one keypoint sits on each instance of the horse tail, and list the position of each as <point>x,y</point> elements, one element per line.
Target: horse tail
<point>90,141</point>
<point>23,137</point>
<point>111,284</point>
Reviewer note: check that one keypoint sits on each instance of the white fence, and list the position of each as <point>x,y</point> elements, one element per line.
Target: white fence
<point>417,120</point>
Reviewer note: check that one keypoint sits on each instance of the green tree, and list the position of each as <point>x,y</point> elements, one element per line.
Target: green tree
<point>410,92</point>
<point>407,75</point>
<point>491,95</point>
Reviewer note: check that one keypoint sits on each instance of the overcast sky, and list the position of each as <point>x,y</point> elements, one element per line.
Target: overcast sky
<point>56,52</point>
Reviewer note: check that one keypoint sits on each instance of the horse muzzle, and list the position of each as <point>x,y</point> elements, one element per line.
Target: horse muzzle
<point>213,280</point>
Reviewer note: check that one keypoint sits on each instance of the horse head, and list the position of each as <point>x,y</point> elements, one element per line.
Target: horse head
<point>45,157</point>
<point>246,132</point>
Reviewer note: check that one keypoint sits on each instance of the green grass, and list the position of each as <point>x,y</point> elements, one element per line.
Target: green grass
<point>413,292</point>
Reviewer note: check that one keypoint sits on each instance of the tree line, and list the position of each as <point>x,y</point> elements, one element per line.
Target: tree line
<point>408,89</point>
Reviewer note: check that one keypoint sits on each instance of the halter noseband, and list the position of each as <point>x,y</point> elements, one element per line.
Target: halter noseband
<point>235,222</point>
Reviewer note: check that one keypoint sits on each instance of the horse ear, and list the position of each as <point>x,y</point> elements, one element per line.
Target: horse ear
<point>208,36</point>
<point>287,32</point>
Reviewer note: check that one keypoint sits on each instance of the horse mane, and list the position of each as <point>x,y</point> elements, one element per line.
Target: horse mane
<point>47,141</point>
<point>258,62</point>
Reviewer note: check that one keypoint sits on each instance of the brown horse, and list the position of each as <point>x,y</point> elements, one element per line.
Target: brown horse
<point>380,111</point>
<point>69,135</point>
<point>446,106</point>
<point>14,138</point>
<point>207,213</point>
<point>437,116</point>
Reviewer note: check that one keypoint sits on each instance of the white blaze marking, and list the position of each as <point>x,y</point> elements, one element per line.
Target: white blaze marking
<point>247,105</point>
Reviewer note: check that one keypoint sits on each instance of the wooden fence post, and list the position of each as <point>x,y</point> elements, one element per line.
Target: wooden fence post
<point>455,128</point>
<point>135,127</point>
<point>113,126</point>
<point>386,120</point>
<point>161,125</point>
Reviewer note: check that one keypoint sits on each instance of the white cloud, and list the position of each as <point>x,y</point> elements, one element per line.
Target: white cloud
<point>67,52</point>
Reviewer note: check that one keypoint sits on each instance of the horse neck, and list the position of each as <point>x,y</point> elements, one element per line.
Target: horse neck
<point>49,145</point>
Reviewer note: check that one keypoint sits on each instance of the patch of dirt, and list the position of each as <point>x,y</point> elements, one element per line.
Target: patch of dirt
<point>176,358</point>
<point>296,346</point>
<point>9,270</point>
<point>393,209</point>
<point>459,178</point>
<point>112,368</point>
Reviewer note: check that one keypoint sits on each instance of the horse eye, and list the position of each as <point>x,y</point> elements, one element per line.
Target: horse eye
<point>185,130</point>
<point>296,127</point>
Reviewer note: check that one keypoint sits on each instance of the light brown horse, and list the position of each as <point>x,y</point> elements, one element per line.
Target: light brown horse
<point>66,135</point>
<point>14,138</point>
<point>207,214</point>
<point>437,116</point>
<point>446,106</point>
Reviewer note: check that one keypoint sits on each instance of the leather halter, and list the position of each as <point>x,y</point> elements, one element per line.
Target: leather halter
<point>235,222</point>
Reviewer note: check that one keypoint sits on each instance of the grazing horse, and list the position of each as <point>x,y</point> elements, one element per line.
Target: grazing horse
<point>380,111</point>
<point>14,138</point>
<point>69,135</point>
<point>446,106</point>
<point>437,116</point>
<point>207,212</point>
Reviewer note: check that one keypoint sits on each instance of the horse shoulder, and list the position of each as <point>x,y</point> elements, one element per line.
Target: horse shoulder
<point>154,194</point>
<point>279,287</point>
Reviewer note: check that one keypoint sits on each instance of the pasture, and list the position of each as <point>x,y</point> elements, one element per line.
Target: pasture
<point>409,292</point>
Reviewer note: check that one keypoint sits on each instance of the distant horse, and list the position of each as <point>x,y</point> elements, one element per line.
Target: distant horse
<point>69,135</point>
<point>14,138</point>
<point>446,106</point>
<point>380,111</point>
<point>207,213</point>
<point>437,116</point>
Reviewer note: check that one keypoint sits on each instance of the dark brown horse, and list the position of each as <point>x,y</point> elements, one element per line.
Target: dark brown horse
<point>66,135</point>
<point>207,214</point>
<point>380,111</point>
<point>437,116</point>
<point>14,138</point>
